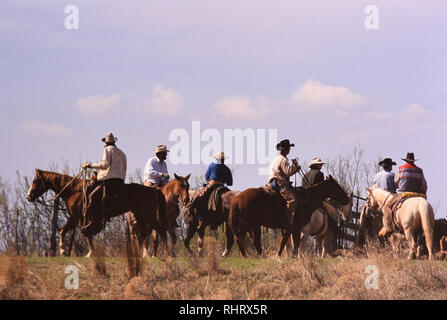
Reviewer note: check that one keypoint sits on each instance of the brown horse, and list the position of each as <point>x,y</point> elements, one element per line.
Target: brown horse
<point>175,191</point>
<point>191,214</point>
<point>72,196</point>
<point>148,207</point>
<point>254,208</point>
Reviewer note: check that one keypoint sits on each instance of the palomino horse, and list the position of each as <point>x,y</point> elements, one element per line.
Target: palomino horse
<point>412,218</point>
<point>72,196</point>
<point>254,208</point>
<point>175,191</point>
<point>191,214</point>
<point>319,226</point>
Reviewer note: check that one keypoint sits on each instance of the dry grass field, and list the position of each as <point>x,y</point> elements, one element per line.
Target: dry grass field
<point>212,277</point>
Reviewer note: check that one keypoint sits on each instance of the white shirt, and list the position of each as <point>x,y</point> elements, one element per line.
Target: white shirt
<point>113,164</point>
<point>281,170</point>
<point>154,169</point>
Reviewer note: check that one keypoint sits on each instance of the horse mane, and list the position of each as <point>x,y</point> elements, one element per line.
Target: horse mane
<point>59,178</point>
<point>168,189</point>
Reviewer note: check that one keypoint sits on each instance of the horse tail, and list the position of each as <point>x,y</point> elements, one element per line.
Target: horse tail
<point>233,217</point>
<point>161,210</point>
<point>428,225</point>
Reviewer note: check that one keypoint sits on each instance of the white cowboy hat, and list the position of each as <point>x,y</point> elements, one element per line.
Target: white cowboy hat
<point>220,155</point>
<point>316,161</point>
<point>109,138</point>
<point>161,148</point>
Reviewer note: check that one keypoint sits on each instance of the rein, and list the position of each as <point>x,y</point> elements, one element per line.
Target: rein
<point>63,189</point>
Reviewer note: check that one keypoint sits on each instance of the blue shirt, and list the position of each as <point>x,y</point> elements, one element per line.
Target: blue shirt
<point>385,180</point>
<point>154,169</point>
<point>219,172</point>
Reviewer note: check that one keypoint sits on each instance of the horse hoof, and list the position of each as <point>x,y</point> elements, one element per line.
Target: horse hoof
<point>225,253</point>
<point>89,255</point>
<point>62,252</point>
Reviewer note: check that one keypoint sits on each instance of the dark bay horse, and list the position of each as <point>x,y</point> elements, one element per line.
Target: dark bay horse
<point>175,191</point>
<point>148,208</point>
<point>254,208</point>
<point>191,214</point>
<point>72,196</point>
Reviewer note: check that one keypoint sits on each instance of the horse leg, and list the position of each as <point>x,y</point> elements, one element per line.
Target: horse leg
<point>201,234</point>
<point>284,239</point>
<point>90,246</point>
<point>412,242</point>
<point>71,222</point>
<point>230,241</point>
<point>240,239</point>
<point>257,240</point>
<point>190,231</point>
<point>296,243</point>
<point>173,242</point>
<point>155,236</point>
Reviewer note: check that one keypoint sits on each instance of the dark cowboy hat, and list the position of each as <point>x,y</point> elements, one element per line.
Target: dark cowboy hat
<point>109,138</point>
<point>410,157</point>
<point>284,144</point>
<point>387,162</point>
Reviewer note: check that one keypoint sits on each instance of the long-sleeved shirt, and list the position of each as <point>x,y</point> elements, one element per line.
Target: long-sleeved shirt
<point>219,172</point>
<point>154,169</point>
<point>410,178</point>
<point>281,170</point>
<point>313,176</point>
<point>113,164</point>
<point>385,180</point>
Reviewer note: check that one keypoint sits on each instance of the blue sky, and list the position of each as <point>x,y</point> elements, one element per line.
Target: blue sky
<point>309,69</point>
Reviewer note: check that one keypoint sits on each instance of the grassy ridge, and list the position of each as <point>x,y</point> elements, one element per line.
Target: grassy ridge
<point>212,277</point>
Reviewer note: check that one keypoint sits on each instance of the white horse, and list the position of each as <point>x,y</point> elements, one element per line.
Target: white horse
<point>318,226</point>
<point>413,217</point>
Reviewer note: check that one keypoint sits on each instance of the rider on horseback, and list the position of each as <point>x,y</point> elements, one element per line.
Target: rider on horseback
<point>385,178</point>
<point>314,175</point>
<point>280,172</point>
<point>217,175</point>
<point>112,172</point>
<point>156,169</point>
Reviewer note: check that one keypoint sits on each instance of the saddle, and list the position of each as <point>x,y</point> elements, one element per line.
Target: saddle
<point>215,198</point>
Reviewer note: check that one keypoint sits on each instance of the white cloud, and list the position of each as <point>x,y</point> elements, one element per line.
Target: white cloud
<point>97,105</point>
<point>241,107</point>
<point>415,112</point>
<point>37,128</point>
<point>315,96</point>
<point>165,101</point>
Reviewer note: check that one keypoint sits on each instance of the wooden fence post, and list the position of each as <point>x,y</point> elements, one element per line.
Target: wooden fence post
<point>54,228</point>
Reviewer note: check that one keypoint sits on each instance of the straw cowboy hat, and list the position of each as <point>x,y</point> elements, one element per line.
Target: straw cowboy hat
<point>109,138</point>
<point>316,161</point>
<point>410,157</point>
<point>161,148</point>
<point>284,144</point>
<point>220,155</point>
<point>387,162</point>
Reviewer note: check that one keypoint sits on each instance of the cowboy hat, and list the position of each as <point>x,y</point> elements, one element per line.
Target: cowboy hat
<point>284,144</point>
<point>316,161</point>
<point>220,155</point>
<point>109,138</point>
<point>387,162</point>
<point>161,148</point>
<point>410,157</point>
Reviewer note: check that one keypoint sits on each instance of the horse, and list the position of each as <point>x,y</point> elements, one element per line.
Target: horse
<point>254,208</point>
<point>148,207</point>
<point>412,218</point>
<point>72,196</point>
<point>175,191</point>
<point>369,226</point>
<point>320,226</point>
<point>191,214</point>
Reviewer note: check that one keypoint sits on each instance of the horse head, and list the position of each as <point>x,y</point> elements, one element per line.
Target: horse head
<point>181,188</point>
<point>38,187</point>
<point>346,209</point>
<point>371,201</point>
<point>336,192</point>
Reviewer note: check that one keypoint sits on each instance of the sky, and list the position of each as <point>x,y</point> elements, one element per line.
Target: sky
<point>310,70</point>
